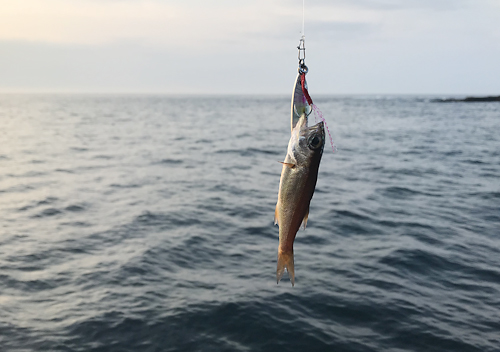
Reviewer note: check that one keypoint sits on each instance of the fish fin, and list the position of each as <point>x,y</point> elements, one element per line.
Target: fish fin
<point>276,216</point>
<point>290,165</point>
<point>285,260</point>
<point>304,222</point>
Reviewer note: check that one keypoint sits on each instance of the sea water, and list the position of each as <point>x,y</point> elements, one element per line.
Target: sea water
<point>145,223</point>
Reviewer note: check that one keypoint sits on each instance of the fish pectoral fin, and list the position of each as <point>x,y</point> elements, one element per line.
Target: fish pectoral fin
<point>290,165</point>
<point>276,216</point>
<point>304,221</point>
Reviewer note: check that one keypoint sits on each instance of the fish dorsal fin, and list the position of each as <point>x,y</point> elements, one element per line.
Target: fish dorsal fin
<point>290,165</point>
<point>304,222</point>
<point>276,215</point>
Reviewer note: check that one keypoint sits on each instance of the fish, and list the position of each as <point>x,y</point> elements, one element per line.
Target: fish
<point>297,183</point>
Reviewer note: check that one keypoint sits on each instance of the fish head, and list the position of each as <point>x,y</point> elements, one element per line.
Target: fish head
<point>307,143</point>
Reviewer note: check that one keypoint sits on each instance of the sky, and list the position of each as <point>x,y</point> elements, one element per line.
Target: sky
<point>446,47</point>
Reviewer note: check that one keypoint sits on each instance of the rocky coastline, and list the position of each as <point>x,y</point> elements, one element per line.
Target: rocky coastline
<point>468,99</point>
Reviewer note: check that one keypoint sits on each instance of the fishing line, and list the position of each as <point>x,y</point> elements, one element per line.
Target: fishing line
<point>303,17</point>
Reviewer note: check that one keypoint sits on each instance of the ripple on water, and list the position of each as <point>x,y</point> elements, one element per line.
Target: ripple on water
<point>119,233</point>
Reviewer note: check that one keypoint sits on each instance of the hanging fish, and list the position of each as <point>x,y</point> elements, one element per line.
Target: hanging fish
<point>299,173</point>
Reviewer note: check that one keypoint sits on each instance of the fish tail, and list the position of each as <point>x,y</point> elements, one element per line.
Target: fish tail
<point>285,260</point>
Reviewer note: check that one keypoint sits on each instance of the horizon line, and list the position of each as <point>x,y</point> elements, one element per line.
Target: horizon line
<point>60,92</point>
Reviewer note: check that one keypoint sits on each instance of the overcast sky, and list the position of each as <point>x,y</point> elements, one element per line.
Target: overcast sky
<point>249,46</point>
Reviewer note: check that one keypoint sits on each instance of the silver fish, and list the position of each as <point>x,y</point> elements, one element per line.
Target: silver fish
<point>298,180</point>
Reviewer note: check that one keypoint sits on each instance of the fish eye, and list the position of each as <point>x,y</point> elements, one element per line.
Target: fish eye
<point>315,142</point>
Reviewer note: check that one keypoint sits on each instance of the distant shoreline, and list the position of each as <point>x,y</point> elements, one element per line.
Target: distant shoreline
<point>468,99</point>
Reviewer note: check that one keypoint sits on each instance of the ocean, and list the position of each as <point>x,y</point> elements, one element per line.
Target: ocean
<point>145,223</point>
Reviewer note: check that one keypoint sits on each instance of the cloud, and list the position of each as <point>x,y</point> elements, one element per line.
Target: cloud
<point>212,25</point>
<point>391,5</point>
<point>178,24</point>
<point>247,46</point>
<point>131,67</point>
<point>81,21</point>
